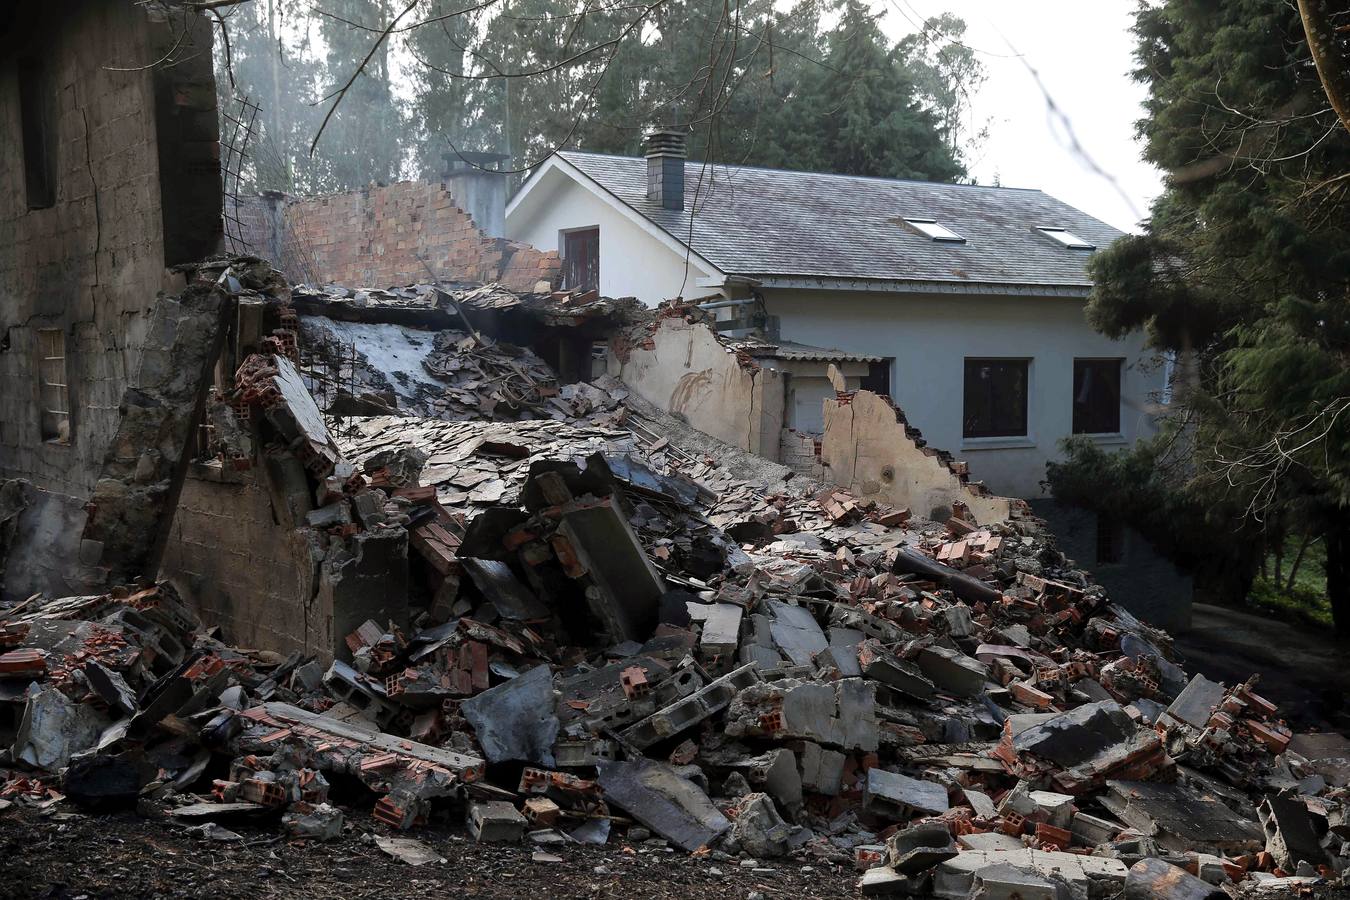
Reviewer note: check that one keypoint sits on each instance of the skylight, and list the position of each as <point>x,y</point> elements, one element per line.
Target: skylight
<point>935,231</point>
<point>1067,238</point>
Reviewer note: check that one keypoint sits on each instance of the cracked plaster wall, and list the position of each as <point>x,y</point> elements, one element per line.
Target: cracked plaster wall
<point>687,372</point>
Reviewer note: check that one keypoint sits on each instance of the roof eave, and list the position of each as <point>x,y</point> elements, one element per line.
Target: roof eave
<point>917,286</point>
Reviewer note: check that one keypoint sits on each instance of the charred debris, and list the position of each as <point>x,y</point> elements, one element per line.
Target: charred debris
<point>582,632</point>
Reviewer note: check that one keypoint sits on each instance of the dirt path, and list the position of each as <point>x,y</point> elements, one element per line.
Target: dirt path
<point>1305,672</point>
<point>74,855</point>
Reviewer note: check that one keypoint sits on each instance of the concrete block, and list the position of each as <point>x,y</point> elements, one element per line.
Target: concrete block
<point>495,820</point>
<point>920,847</point>
<point>689,711</point>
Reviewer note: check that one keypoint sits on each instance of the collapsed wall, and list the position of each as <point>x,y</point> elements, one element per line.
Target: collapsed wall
<point>387,235</point>
<point>682,368</point>
<point>869,448</point>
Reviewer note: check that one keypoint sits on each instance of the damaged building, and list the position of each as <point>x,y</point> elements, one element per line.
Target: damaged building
<point>532,565</point>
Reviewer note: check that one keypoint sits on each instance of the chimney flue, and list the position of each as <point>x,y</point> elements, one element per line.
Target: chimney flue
<point>665,168</point>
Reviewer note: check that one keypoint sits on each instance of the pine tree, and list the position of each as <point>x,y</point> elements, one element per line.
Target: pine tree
<point>1245,269</point>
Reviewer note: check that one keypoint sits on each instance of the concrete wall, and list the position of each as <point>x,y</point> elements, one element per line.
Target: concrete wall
<point>1142,580</point>
<point>930,336</point>
<point>242,570</point>
<point>867,448</point>
<point>683,369</point>
<point>91,264</point>
<point>633,262</point>
<point>389,236</point>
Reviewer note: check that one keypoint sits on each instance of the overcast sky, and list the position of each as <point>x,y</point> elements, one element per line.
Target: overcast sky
<point>1082,51</point>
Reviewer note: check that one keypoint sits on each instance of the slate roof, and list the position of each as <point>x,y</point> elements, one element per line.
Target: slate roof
<point>777,223</point>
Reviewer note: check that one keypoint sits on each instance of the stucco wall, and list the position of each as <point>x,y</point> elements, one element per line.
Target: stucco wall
<point>91,264</point>
<point>866,449</point>
<point>633,263</point>
<point>684,370</point>
<point>930,336</point>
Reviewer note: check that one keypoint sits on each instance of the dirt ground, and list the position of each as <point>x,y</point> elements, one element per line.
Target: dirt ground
<point>1304,672</point>
<point>72,855</point>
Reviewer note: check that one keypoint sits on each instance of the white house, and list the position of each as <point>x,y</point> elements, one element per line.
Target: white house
<point>971,297</point>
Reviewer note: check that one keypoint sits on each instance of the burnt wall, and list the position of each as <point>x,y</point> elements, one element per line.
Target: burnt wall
<point>88,260</point>
<point>243,570</point>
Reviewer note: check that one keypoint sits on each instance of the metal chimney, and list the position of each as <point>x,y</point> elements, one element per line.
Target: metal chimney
<point>665,168</point>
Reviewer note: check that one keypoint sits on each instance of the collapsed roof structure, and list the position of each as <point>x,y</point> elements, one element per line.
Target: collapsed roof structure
<point>420,544</point>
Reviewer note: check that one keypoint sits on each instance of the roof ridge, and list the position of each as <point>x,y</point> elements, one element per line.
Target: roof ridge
<point>739,167</point>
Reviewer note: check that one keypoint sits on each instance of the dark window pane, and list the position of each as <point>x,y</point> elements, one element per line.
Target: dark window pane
<point>878,378</point>
<point>39,145</point>
<point>1096,396</point>
<point>995,398</point>
<point>581,260</point>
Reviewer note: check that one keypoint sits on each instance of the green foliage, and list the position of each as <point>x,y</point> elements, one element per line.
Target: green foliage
<point>1244,267</point>
<point>815,85</point>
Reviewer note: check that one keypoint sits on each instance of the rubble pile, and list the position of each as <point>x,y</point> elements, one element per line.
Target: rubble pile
<point>419,351</point>
<point>608,639</point>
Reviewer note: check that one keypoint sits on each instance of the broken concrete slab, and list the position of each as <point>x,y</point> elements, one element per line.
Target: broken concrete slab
<point>672,806</point>
<point>54,728</point>
<point>898,797</point>
<point>1196,704</point>
<point>408,850</point>
<point>796,633</point>
<point>1087,877</point>
<point>516,720</point>
<point>1004,881</point>
<point>1155,879</point>
<point>952,671</point>
<point>1291,836</point>
<point>509,597</point>
<point>626,589</point>
<point>1179,819</point>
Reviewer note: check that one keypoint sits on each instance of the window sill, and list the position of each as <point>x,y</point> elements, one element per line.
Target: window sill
<point>56,442</point>
<point>1104,438</point>
<point>997,443</point>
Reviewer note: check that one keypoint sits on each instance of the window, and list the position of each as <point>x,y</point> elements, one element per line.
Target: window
<point>1067,238</point>
<point>1110,540</point>
<point>54,395</point>
<point>935,231</point>
<point>581,260</point>
<point>878,378</point>
<point>1096,396</point>
<point>995,398</point>
<point>39,146</point>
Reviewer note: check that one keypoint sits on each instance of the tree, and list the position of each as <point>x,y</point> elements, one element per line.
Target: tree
<point>859,111</point>
<point>948,74</point>
<point>1244,269</point>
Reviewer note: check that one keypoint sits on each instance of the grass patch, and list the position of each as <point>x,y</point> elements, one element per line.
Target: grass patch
<point>1305,601</point>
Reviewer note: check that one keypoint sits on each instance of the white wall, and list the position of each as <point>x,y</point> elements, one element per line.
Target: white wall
<point>633,263</point>
<point>930,336</point>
